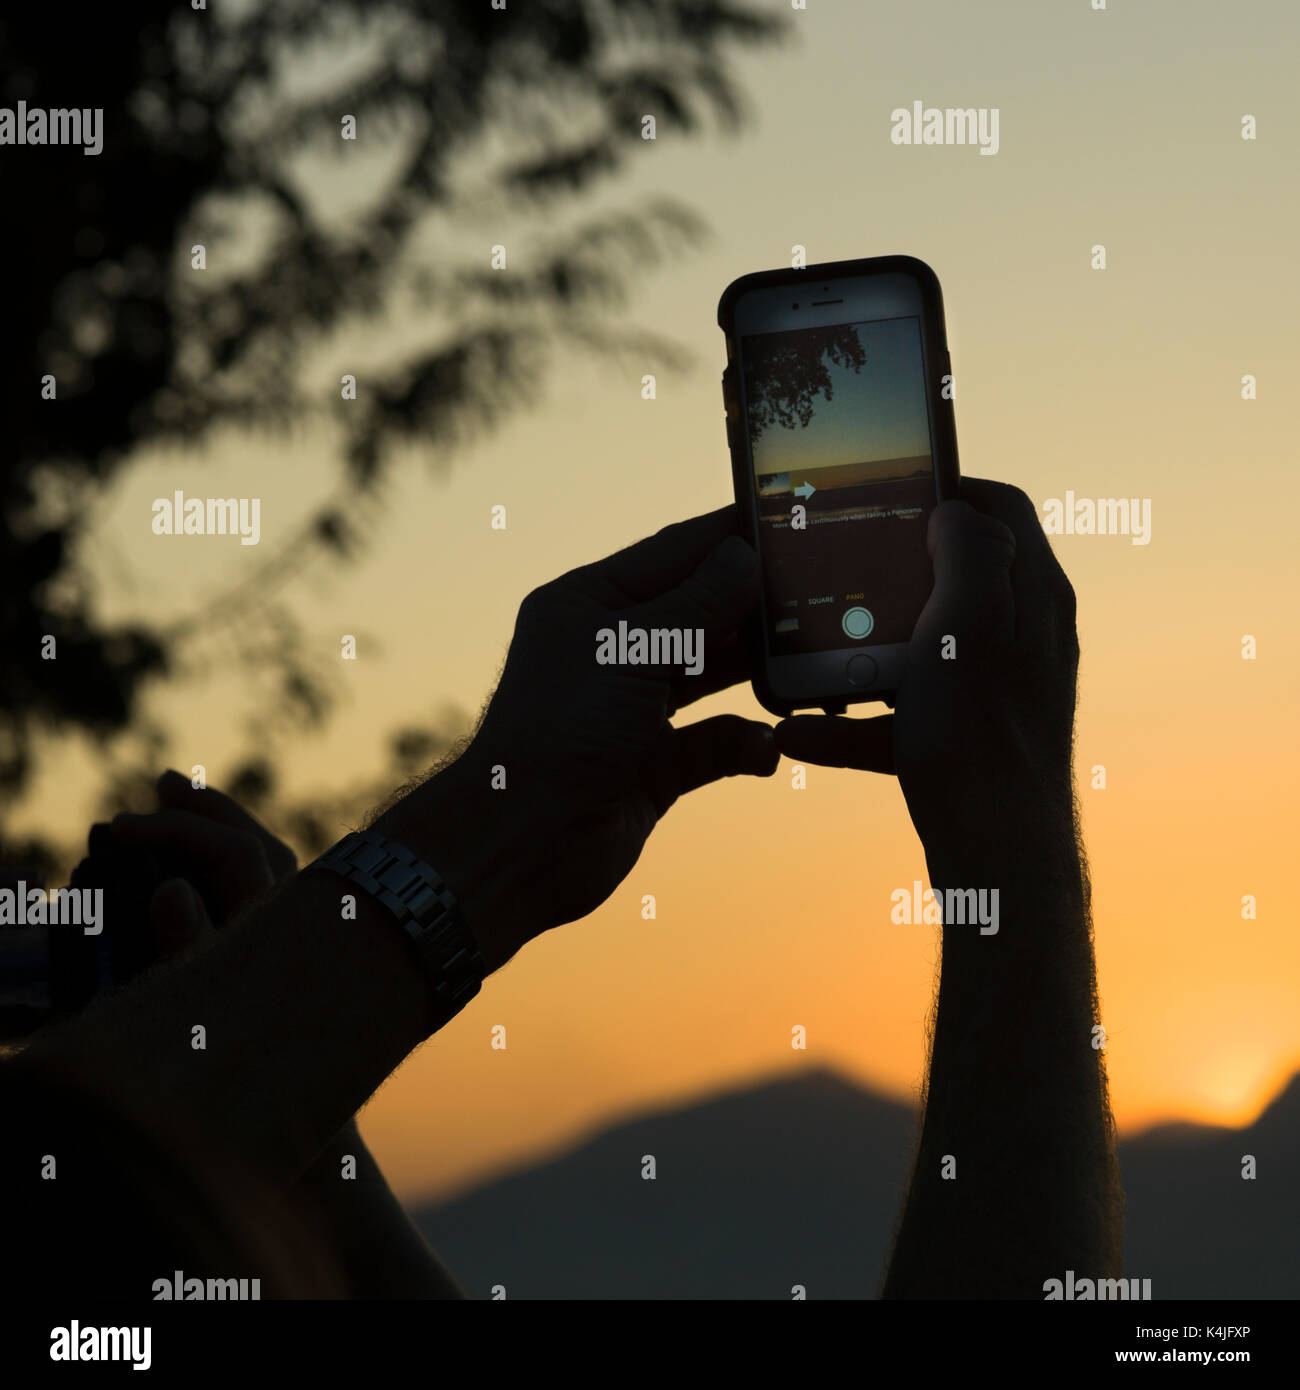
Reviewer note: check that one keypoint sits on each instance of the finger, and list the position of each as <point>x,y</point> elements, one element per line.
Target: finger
<point>832,741</point>
<point>176,791</point>
<point>99,840</point>
<point>232,862</point>
<point>728,665</point>
<point>177,916</point>
<point>117,863</point>
<point>1043,595</point>
<point>710,603</point>
<point>724,746</point>
<point>971,611</point>
<point>656,564</point>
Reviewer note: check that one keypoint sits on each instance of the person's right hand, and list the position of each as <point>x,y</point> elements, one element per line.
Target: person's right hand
<point>982,730</point>
<point>546,811</point>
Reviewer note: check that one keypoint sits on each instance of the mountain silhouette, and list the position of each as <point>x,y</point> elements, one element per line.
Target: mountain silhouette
<point>799,1181</point>
<point>1196,1228</point>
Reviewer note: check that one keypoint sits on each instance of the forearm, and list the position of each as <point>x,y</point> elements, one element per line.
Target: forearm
<point>304,1013</point>
<point>381,1252</point>
<point>1016,1179</point>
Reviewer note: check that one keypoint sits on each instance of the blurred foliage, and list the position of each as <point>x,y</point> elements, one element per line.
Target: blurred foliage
<point>308,822</point>
<point>212,119</point>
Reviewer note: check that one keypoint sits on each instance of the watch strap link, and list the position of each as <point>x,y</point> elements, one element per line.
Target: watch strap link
<point>424,907</point>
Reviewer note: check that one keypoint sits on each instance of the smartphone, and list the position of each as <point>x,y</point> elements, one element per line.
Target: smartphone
<point>838,394</point>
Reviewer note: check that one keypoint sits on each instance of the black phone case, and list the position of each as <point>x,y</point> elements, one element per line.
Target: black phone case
<point>947,473</point>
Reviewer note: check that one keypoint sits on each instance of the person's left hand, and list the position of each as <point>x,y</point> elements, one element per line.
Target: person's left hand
<point>204,856</point>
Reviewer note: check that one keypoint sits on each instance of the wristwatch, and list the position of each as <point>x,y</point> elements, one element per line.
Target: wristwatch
<point>424,907</point>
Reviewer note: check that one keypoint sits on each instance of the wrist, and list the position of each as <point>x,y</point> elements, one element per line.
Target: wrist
<point>451,823</point>
<point>324,1169</point>
<point>1032,855</point>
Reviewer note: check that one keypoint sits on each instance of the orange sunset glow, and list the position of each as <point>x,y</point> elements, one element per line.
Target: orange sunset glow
<point>773,901</point>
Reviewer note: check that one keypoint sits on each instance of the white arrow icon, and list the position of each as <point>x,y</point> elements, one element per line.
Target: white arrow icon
<point>804,490</point>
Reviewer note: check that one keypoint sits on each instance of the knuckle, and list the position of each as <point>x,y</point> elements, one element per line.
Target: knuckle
<point>246,842</point>
<point>1021,507</point>
<point>534,606</point>
<point>1064,598</point>
<point>1069,600</point>
<point>702,595</point>
<point>283,859</point>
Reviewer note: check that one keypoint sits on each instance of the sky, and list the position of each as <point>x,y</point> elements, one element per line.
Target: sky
<point>1119,128</point>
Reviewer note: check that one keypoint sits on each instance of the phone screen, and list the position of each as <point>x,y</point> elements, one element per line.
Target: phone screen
<point>838,424</point>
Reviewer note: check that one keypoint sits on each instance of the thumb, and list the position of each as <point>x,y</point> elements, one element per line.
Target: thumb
<point>177,916</point>
<point>971,604</point>
<point>707,751</point>
<point>833,741</point>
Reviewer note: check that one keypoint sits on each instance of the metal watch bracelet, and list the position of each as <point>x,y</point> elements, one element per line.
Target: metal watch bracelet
<point>424,907</point>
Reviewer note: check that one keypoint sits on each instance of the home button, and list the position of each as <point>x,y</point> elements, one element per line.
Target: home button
<point>861,670</point>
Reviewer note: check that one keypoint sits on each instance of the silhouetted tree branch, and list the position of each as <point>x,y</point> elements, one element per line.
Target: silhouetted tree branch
<point>212,120</point>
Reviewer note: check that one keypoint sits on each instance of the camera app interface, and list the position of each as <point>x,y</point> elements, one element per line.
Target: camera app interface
<point>838,425</point>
